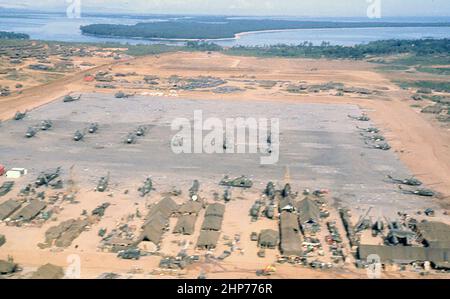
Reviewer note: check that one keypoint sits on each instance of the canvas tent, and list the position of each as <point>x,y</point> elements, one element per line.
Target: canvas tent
<point>291,244</point>
<point>405,254</point>
<point>208,239</point>
<point>434,234</point>
<point>289,220</point>
<point>268,238</point>
<point>215,209</point>
<point>7,208</point>
<point>308,211</point>
<point>48,271</point>
<point>185,224</point>
<point>212,223</point>
<point>165,206</point>
<point>30,211</point>
<point>190,207</point>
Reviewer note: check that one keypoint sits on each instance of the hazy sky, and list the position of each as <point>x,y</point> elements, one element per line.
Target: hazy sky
<point>246,7</point>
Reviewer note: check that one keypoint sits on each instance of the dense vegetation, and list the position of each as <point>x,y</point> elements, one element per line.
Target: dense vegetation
<point>438,49</point>
<point>221,27</point>
<point>13,35</point>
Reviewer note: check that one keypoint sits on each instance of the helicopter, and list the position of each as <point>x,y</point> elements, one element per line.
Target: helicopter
<point>103,183</point>
<point>46,124</point>
<point>130,139</point>
<point>140,131</point>
<point>46,177</point>
<point>68,98</point>
<point>31,132</point>
<point>146,188</point>
<point>420,192</point>
<point>78,135</point>
<point>371,130</point>
<point>93,128</point>
<point>409,181</point>
<point>122,95</point>
<point>381,146</point>
<point>363,117</point>
<point>194,189</point>
<point>375,137</point>
<point>20,115</point>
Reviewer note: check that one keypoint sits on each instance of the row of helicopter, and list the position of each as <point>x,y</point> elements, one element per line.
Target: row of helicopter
<point>372,135</point>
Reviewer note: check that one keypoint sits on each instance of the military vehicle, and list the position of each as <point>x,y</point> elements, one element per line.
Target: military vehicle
<point>79,135</point>
<point>270,190</point>
<point>93,128</point>
<point>241,182</point>
<point>363,117</point>
<point>31,132</point>
<point>103,183</point>
<point>46,124</point>
<point>409,181</point>
<point>254,210</point>
<point>420,192</point>
<point>129,254</point>
<point>286,190</point>
<point>193,191</point>
<point>6,187</point>
<point>100,210</point>
<point>227,195</point>
<point>46,177</point>
<point>140,131</point>
<point>130,139</point>
<point>68,98</point>
<point>270,211</point>
<point>20,115</point>
<point>146,188</point>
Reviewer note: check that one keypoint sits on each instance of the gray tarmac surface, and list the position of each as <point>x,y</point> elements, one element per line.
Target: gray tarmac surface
<point>319,142</point>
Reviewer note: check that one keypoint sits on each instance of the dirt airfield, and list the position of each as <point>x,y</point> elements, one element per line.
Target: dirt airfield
<point>420,147</point>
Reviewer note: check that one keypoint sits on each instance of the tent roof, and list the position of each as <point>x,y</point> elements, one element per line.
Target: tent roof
<point>290,242</point>
<point>405,254</point>
<point>436,234</point>
<point>212,223</point>
<point>215,209</point>
<point>185,224</point>
<point>308,210</point>
<point>48,271</point>
<point>208,239</point>
<point>268,237</point>
<point>289,220</point>
<point>190,207</point>
<point>30,211</point>
<point>8,207</point>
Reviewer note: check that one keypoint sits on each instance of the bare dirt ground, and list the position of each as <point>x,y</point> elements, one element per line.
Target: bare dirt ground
<point>422,145</point>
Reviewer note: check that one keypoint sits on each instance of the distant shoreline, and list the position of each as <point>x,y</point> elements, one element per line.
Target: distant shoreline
<point>237,36</point>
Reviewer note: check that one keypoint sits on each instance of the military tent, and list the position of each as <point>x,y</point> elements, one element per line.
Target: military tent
<point>212,223</point>
<point>30,211</point>
<point>190,207</point>
<point>286,204</point>
<point>7,208</point>
<point>404,254</point>
<point>185,224</point>
<point>291,244</point>
<point>7,267</point>
<point>165,206</point>
<point>152,234</point>
<point>289,220</point>
<point>268,238</point>
<point>215,209</point>
<point>48,271</point>
<point>208,239</point>
<point>308,211</point>
<point>434,234</point>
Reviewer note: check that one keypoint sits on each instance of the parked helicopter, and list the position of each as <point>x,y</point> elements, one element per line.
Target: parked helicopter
<point>103,183</point>
<point>78,136</point>
<point>20,115</point>
<point>93,128</point>
<point>31,132</point>
<point>46,177</point>
<point>409,181</point>
<point>46,124</point>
